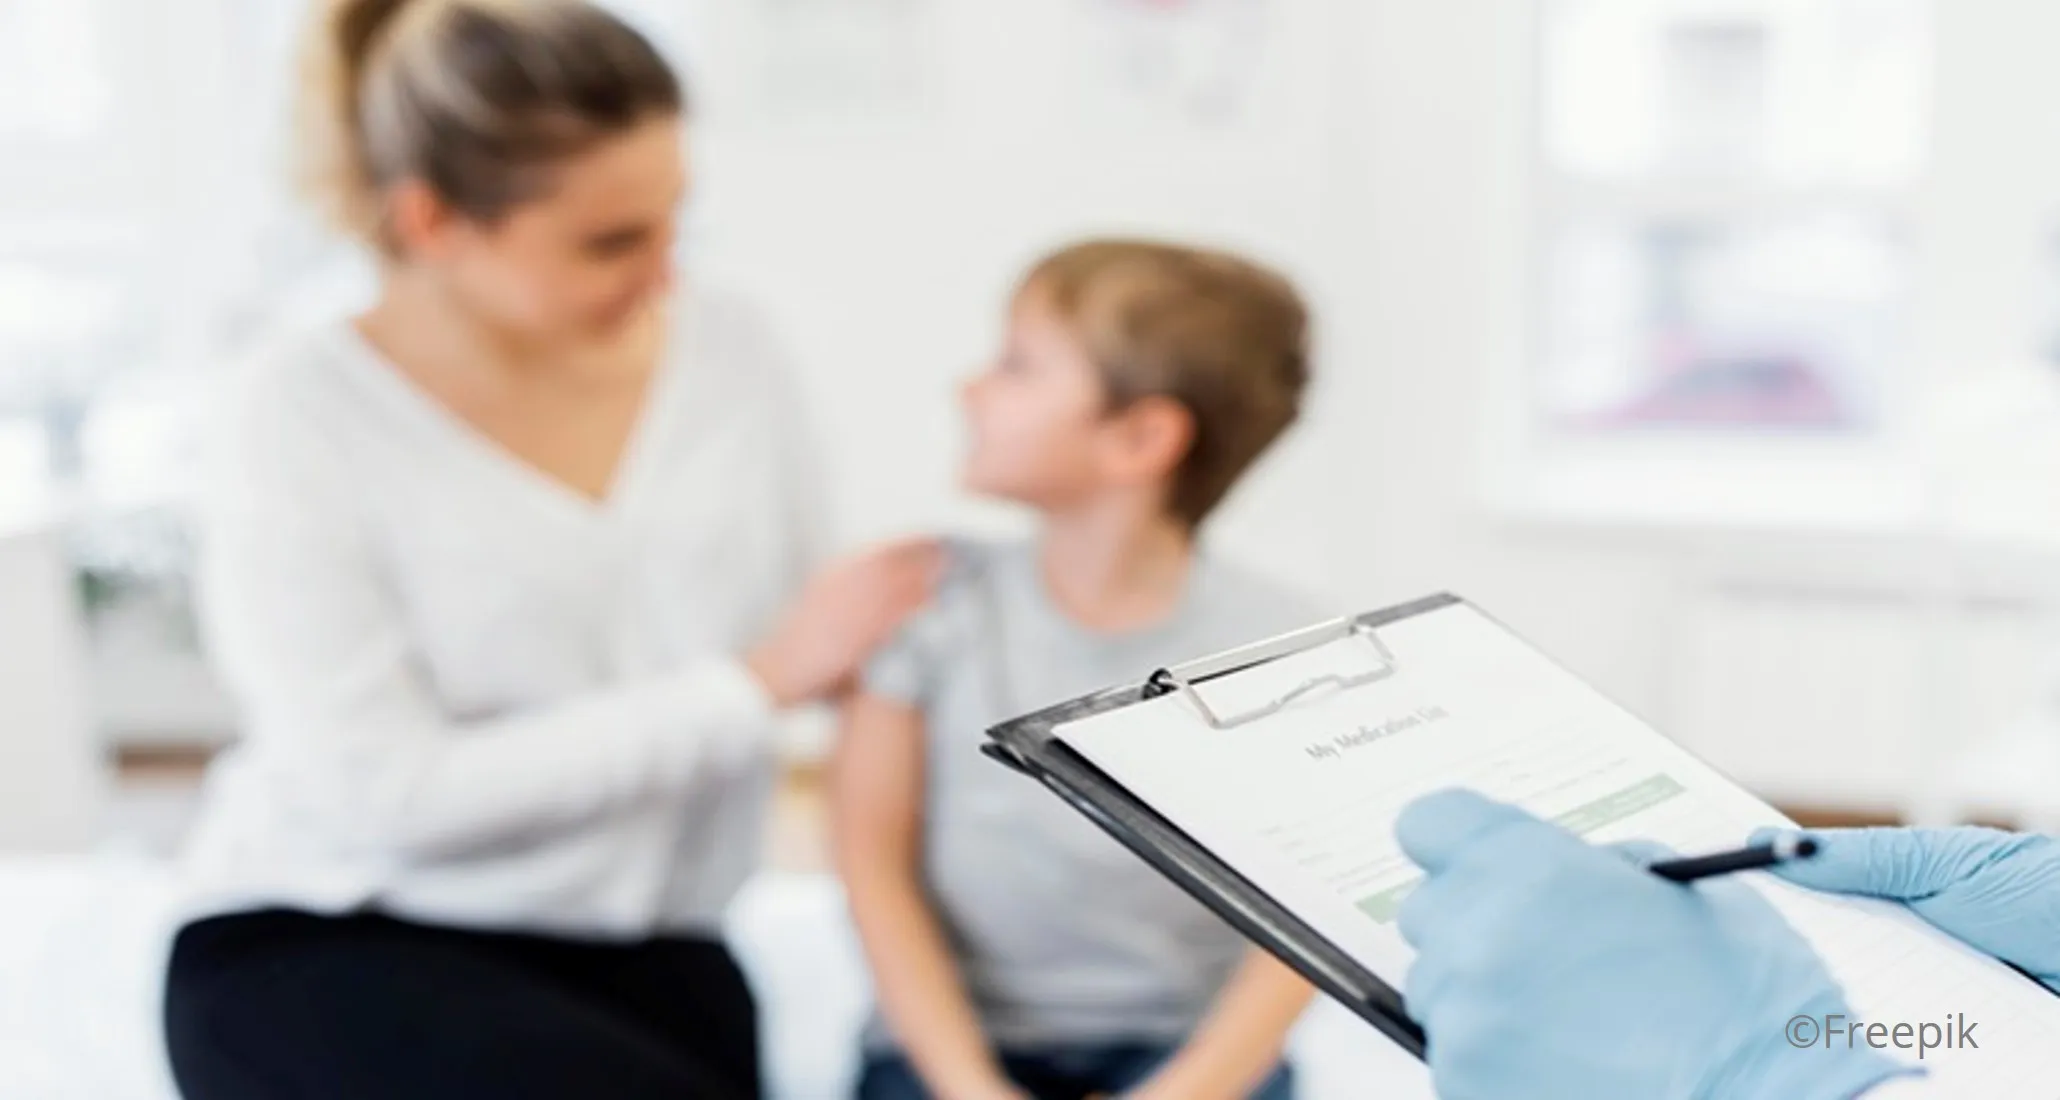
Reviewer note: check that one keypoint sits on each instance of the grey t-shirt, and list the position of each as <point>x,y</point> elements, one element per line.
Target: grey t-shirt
<point>1061,934</point>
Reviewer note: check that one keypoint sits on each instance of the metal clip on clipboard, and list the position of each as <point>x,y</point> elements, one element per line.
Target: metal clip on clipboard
<point>1184,678</point>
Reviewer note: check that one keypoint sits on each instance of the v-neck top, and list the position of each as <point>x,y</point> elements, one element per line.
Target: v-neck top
<point>472,695</point>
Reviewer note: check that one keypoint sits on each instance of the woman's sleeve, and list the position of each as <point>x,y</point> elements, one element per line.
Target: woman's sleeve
<point>316,648</point>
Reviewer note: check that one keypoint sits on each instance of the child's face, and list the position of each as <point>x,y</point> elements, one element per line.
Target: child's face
<point>1041,431</point>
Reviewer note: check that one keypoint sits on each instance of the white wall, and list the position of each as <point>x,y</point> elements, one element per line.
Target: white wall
<point>1389,175</point>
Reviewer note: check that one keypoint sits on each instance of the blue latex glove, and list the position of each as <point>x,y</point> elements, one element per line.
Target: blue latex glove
<point>1997,891</point>
<point>1554,970</point>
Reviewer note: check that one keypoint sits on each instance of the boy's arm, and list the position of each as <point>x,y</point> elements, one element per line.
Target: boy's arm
<point>1240,1041</point>
<point>876,804</point>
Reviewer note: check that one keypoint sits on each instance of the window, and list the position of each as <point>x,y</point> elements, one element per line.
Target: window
<point>145,239</point>
<point>1725,240</point>
<point>69,224</point>
<point>54,80</point>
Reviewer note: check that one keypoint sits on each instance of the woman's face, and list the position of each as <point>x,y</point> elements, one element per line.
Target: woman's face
<point>587,256</point>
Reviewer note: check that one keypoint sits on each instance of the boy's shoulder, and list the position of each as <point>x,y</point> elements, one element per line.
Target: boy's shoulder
<point>975,568</point>
<point>1231,591</point>
<point>972,558</point>
<point>1234,602</point>
<point>949,623</point>
<point>971,564</point>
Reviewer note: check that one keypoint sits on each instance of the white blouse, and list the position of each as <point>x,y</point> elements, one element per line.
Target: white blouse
<point>472,696</point>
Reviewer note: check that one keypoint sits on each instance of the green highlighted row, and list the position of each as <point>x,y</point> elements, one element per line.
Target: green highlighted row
<point>1612,808</point>
<point>1384,905</point>
<point>1581,820</point>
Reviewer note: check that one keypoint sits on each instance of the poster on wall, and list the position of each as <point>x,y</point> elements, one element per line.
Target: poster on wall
<point>1188,63</point>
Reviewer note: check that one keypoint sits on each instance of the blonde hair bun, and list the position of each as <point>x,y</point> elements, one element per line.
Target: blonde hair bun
<point>478,98</point>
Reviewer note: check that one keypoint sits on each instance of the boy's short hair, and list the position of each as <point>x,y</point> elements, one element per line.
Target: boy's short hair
<point>1225,337</point>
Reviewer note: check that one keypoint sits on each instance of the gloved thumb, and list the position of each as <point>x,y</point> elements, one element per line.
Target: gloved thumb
<point>1435,828</point>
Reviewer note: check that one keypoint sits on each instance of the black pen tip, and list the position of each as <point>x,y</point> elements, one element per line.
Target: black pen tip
<point>1805,847</point>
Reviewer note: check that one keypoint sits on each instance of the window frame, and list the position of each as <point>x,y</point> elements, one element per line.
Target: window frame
<point>1724,477</point>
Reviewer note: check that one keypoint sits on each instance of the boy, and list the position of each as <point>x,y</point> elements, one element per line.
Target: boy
<point>1018,952</point>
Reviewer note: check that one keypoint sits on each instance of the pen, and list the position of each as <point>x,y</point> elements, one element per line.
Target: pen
<point>1784,847</point>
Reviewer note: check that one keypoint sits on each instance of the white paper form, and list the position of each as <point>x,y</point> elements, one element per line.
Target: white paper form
<point>1303,804</point>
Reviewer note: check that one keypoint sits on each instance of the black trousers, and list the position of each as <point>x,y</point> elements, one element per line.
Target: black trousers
<point>285,1005</point>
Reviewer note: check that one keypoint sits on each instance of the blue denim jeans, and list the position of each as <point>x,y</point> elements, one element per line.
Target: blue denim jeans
<point>1064,1073</point>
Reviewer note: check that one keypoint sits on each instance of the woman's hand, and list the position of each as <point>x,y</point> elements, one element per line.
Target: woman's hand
<point>845,613</point>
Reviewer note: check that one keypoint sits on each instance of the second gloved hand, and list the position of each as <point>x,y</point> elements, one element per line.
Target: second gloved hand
<point>1996,891</point>
<point>1553,970</point>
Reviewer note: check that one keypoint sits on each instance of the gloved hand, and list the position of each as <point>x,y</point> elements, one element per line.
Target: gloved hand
<point>1550,969</point>
<point>1997,891</point>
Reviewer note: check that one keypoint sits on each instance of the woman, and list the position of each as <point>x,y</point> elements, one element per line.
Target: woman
<point>506,575</point>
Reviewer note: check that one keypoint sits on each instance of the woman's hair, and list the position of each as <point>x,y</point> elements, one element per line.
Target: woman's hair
<point>1224,337</point>
<point>476,98</point>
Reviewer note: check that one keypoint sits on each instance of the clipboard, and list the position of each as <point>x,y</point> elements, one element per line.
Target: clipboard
<point>1028,745</point>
